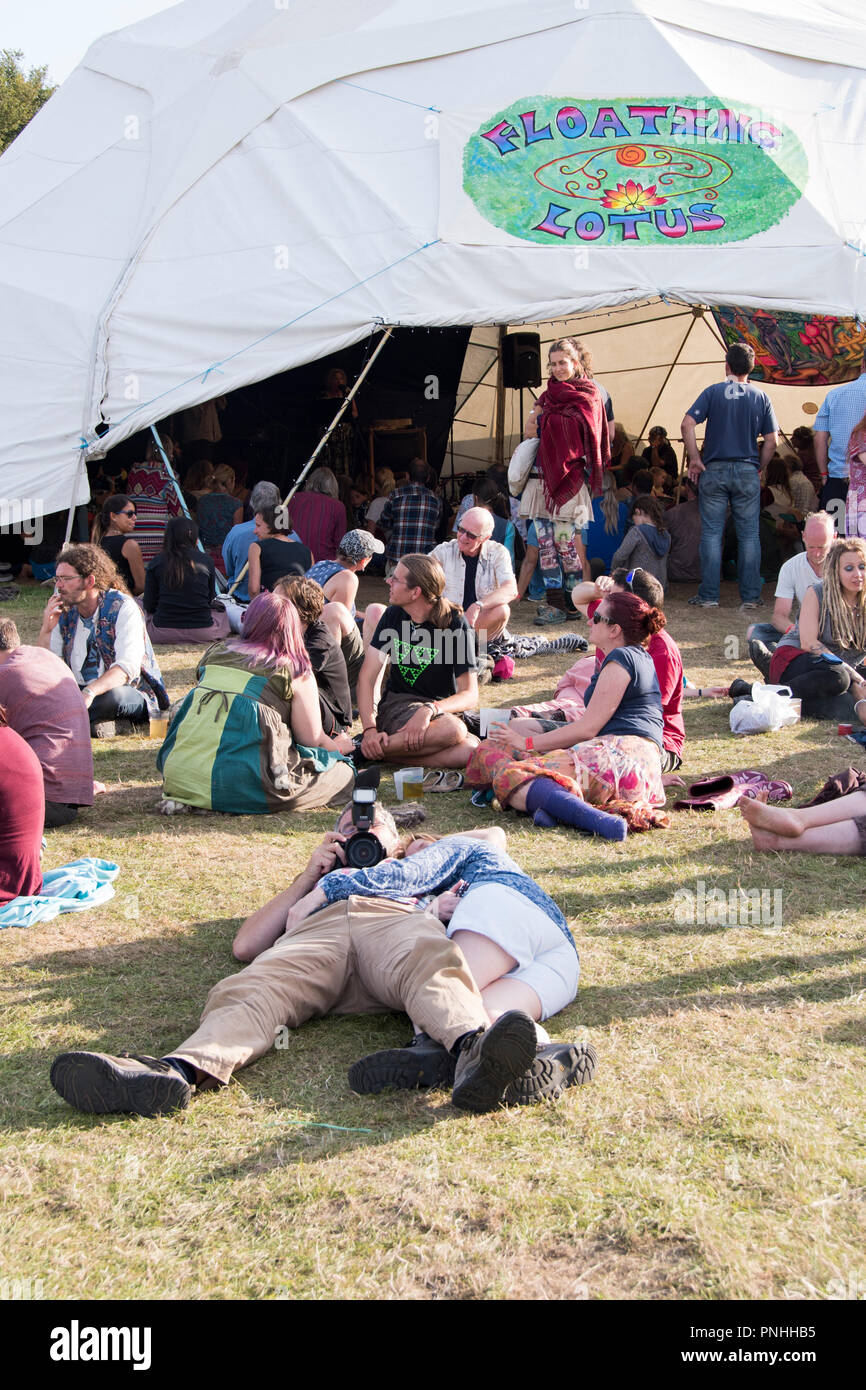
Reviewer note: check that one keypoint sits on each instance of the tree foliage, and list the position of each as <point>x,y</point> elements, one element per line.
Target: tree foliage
<point>21,94</point>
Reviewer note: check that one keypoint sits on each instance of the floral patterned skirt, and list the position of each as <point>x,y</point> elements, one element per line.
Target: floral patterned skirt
<point>622,774</point>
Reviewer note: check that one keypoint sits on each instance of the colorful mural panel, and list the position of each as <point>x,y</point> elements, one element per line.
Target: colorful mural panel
<point>796,349</point>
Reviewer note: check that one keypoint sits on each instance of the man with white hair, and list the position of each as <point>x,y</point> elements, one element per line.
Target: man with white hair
<point>478,574</point>
<point>796,576</point>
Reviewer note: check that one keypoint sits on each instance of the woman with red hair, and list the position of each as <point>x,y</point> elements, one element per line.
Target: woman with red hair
<point>609,758</point>
<point>248,738</point>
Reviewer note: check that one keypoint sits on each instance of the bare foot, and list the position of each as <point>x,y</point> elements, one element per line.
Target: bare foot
<point>99,788</point>
<point>775,820</point>
<point>764,839</point>
<point>670,779</point>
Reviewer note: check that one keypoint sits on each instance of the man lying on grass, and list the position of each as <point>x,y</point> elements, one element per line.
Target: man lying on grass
<point>360,955</point>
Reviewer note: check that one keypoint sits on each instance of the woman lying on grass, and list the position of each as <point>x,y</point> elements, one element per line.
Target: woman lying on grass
<point>610,757</point>
<point>833,827</point>
<point>515,939</point>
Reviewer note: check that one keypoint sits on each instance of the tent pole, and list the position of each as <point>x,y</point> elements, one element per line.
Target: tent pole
<point>220,579</point>
<point>73,506</point>
<point>711,324</point>
<point>328,432</point>
<point>696,314</point>
<point>499,438</point>
<point>337,418</point>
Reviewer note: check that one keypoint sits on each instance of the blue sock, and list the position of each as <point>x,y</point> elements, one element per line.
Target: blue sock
<point>187,1071</point>
<point>548,796</point>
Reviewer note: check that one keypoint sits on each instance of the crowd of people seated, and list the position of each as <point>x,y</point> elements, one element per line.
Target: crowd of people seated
<point>294,666</point>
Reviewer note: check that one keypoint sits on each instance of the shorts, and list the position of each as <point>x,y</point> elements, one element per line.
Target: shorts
<point>396,710</point>
<point>546,960</point>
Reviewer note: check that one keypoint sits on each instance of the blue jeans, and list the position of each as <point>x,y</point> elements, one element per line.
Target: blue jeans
<point>737,482</point>
<point>768,634</point>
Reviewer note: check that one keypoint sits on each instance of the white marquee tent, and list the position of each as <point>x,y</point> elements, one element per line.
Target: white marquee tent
<point>232,188</point>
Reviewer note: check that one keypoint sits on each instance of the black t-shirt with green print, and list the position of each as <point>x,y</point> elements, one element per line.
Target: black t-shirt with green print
<point>425,660</point>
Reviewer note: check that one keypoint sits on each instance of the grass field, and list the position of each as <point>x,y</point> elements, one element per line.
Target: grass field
<point>718,1154</point>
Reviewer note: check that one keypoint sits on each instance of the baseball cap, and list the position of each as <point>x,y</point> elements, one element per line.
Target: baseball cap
<point>359,545</point>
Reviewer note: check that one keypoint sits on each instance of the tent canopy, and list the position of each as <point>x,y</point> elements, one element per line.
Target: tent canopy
<point>228,189</point>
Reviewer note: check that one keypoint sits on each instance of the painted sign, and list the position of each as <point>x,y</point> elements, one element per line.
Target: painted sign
<point>562,170</point>
<point>796,349</point>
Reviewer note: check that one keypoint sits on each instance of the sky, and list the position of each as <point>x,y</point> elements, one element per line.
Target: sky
<point>59,32</point>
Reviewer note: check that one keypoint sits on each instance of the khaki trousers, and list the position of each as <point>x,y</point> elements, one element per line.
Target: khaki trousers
<point>354,957</point>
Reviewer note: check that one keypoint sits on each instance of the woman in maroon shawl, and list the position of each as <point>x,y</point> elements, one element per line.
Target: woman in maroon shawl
<point>573,452</point>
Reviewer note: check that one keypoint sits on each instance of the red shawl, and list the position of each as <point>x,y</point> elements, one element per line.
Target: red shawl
<point>574,446</point>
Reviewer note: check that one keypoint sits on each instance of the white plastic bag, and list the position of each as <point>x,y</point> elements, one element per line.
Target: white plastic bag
<point>771,707</point>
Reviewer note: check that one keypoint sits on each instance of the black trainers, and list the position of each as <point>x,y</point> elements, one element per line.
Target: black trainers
<point>760,656</point>
<point>556,1066</point>
<point>740,689</point>
<point>102,1085</point>
<point>490,1061</point>
<point>423,1063</point>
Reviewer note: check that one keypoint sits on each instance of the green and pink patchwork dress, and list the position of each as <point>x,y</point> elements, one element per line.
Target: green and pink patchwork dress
<point>231,738</point>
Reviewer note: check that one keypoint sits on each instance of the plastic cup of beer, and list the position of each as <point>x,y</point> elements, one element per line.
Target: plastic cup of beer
<point>409,783</point>
<point>159,725</point>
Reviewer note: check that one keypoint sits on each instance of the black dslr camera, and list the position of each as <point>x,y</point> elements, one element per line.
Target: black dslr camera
<point>363,849</point>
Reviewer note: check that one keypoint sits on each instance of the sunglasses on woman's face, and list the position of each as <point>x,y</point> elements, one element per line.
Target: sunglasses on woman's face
<point>598,618</point>
<point>132,513</point>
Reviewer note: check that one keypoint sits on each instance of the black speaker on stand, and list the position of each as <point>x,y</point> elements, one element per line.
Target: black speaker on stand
<point>521,360</point>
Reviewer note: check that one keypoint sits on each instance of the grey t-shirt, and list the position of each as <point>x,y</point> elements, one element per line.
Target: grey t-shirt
<point>792,637</point>
<point>736,412</point>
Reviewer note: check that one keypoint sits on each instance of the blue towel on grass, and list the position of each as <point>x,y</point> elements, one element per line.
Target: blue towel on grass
<point>74,887</point>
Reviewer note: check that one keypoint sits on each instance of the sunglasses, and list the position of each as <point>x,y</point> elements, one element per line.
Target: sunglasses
<point>472,535</point>
<point>132,513</point>
<point>597,618</point>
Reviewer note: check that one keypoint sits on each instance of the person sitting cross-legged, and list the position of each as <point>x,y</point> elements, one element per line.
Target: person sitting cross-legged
<point>479,575</point>
<point>98,630</point>
<point>356,956</point>
<point>433,675</point>
<point>796,576</point>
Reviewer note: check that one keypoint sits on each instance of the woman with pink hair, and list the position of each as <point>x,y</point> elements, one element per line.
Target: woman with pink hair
<point>248,738</point>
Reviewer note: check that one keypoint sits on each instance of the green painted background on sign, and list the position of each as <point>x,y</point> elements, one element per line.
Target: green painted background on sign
<point>641,171</point>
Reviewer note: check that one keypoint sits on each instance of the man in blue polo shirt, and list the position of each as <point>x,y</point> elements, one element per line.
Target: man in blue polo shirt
<point>843,408</point>
<point>729,470</point>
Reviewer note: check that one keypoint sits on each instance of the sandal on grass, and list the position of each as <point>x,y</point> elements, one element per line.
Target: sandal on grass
<point>431,779</point>
<point>450,781</point>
